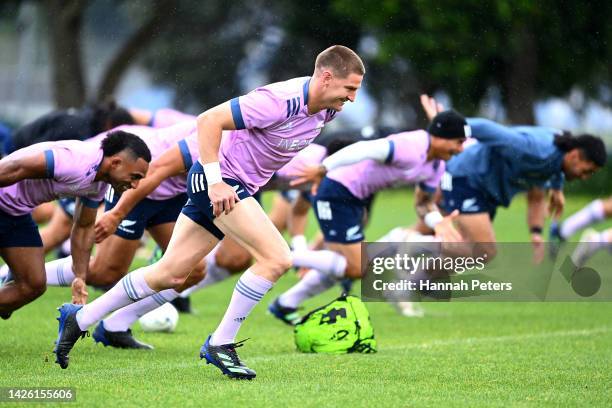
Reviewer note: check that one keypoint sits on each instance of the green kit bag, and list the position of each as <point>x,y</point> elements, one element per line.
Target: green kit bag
<point>342,326</point>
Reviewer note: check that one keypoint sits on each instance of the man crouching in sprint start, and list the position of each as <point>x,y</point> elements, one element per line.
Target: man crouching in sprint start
<point>266,129</point>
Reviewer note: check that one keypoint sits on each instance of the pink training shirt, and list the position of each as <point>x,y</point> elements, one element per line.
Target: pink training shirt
<point>168,117</point>
<point>312,155</point>
<point>159,140</point>
<point>273,125</point>
<point>407,164</point>
<point>71,168</point>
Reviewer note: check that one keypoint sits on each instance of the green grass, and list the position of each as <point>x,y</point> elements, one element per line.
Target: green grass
<point>474,354</point>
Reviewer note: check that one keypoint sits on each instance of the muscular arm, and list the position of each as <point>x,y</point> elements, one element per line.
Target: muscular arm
<point>536,214</point>
<point>141,117</point>
<point>210,126</point>
<point>169,164</point>
<point>424,202</point>
<point>17,169</point>
<point>536,208</point>
<point>487,131</point>
<point>81,242</point>
<point>378,150</point>
<point>81,238</point>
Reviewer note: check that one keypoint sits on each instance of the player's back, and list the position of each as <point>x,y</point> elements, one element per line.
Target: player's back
<point>158,140</point>
<point>71,168</point>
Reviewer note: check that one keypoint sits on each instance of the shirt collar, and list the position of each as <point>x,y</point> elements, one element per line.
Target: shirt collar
<point>305,88</point>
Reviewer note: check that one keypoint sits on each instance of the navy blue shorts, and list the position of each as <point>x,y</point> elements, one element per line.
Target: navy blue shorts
<point>147,213</point>
<point>68,204</point>
<point>257,196</point>
<point>18,231</point>
<point>457,194</point>
<point>339,212</point>
<point>198,207</point>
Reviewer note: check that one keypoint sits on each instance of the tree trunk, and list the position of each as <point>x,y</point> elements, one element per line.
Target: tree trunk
<point>521,80</point>
<point>162,12</point>
<point>65,18</point>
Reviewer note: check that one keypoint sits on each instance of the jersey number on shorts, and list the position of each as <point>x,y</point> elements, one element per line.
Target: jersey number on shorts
<point>324,210</point>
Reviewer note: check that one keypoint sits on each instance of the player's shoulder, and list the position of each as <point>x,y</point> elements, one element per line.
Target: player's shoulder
<point>75,148</point>
<point>418,136</point>
<point>291,88</point>
<point>414,143</point>
<point>180,129</point>
<point>134,129</point>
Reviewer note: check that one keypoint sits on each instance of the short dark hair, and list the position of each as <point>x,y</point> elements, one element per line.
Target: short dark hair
<point>118,141</point>
<point>108,115</point>
<point>341,60</point>
<point>120,116</point>
<point>592,147</point>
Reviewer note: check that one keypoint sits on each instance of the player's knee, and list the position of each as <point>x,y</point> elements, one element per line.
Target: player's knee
<point>278,263</point>
<point>34,287</point>
<point>167,274</point>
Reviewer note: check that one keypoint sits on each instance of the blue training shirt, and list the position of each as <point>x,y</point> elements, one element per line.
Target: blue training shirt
<point>508,160</point>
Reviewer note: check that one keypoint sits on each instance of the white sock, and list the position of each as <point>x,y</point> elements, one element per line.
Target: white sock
<point>4,271</point>
<point>249,290</point>
<point>592,213</point>
<point>66,246</point>
<point>131,288</point>
<point>313,283</point>
<point>59,272</point>
<point>328,262</point>
<point>121,320</point>
<point>299,243</point>
<point>214,274</point>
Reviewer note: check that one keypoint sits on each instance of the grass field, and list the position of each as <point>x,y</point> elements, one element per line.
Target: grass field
<point>467,354</point>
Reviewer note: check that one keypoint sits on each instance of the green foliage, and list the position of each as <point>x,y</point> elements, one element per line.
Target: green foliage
<point>467,46</point>
<point>198,54</point>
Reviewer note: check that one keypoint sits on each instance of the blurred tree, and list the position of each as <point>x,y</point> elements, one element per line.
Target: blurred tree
<point>529,49</point>
<point>199,54</point>
<point>206,57</point>
<point>65,21</point>
<point>314,26</point>
<point>159,14</point>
